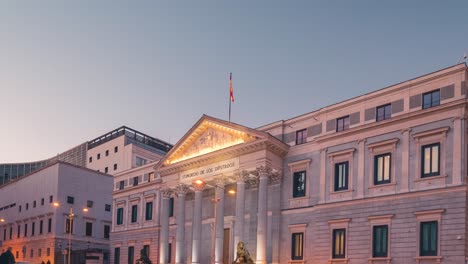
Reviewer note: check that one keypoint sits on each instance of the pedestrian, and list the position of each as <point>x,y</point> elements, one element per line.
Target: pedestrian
<point>7,257</point>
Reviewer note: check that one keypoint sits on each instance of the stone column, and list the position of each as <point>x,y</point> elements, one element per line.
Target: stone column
<point>458,145</point>
<point>240,208</point>
<point>164,234</point>
<point>274,240</point>
<point>262,220</point>
<point>197,223</point>
<point>219,239</point>
<point>405,141</point>
<point>181,191</point>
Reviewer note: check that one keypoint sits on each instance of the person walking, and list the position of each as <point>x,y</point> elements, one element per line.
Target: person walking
<point>7,257</point>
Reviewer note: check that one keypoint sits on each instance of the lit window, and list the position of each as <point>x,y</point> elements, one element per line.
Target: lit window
<point>339,243</point>
<point>430,160</point>
<point>384,112</point>
<point>382,168</point>
<point>431,99</point>
<point>301,136</point>
<point>297,246</point>
<point>342,123</point>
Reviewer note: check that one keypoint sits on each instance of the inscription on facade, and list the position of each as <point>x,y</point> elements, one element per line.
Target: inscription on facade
<point>211,170</point>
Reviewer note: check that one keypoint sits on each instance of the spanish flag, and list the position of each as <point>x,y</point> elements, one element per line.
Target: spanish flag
<point>231,92</point>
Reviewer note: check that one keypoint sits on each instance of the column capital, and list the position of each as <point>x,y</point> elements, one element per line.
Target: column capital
<point>182,189</point>
<point>220,181</point>
<point>276,177</point>
<point>166,193</point>
<point>263,171</point>
<point>199,186</point>
<point>242,176</point>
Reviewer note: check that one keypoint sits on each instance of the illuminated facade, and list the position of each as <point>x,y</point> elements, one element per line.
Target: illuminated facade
<point>379,178</point>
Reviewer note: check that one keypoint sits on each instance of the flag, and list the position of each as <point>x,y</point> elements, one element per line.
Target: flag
<point>231,92</point>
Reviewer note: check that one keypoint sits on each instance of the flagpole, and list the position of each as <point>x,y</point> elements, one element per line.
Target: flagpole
<point>230,95</point>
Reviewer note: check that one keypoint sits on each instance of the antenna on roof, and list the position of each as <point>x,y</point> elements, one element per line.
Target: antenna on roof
<point>462,58</point>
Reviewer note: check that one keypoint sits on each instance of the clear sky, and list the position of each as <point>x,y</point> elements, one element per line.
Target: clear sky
<point>73,70</point>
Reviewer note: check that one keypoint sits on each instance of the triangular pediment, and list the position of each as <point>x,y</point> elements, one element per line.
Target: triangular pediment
<point>207,136</point>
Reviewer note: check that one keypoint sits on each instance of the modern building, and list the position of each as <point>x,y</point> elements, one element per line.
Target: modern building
<point>118,150</point>
<point>379,178</point>
<point>35,214</point>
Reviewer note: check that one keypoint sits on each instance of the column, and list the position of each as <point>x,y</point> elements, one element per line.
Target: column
<point>274,240</point>
<point>219,221</point>
<point>240,209</point>
<point>361,167</point>
<point>164,234</point>
<point>197,222</point>
<point>405,160</point>
<point>457,150</point>
<point>262,219</point>
<point>181,191</point>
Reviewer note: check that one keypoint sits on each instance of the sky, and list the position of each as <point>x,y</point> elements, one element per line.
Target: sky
<point>73,70</point>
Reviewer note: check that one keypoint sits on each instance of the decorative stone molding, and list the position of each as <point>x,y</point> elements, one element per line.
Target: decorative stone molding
<point>166,193</point>
<point>242,176</point>
<point>276,177</point>
<point>221,181</point>
<point>406,130</point>
<point>263,171</point>
<point>199,187</point>
<point>182,189</point>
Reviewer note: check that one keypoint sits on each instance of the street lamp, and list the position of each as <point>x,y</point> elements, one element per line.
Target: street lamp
<point>70,228</point>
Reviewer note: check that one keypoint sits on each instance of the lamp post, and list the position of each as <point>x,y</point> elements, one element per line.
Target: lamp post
<point>70,228</point>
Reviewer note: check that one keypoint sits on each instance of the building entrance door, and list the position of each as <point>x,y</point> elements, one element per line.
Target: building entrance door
<point>226,246</point>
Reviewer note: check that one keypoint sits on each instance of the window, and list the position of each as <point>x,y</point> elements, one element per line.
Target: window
<point>146,250</point>
<point>34,204</point>
<point>384,112</point>
<point>99,156</point>
<point>380,241</point>
<point>297,246</point>
<point>342,123</point>
<point>149,211</point>
<point>115,166</point>
<point>69,226</point>
<point>106,231</point>
<point>382,168</point>
<point>107,153</point>
<point>89,229</point>
<point>70,200</point>
<point>117,255</point>
<point>299,184</point>
<point>430,160</point>
<point>90,159</point>
<point>49,225</point>
<point>107,207</point>
<point>17,254</point>
<point>19,232</point>
<point>116,149</point>
<point>135,181</point>
<point>31,253</point>
<point>119,216</point>
<point>51,199</point>
<point>39,252</point>
<point>42,201</point>
<point>89,204</point>
<point>121,185</point>
<point>339,243</point>
<point>106,169</point>
<point>301,136</point>
<point>19,208</point>
<point>150,176</point>
<point>25,230</point>
<point>11,233</point>
<point>130,255</point>
<point>33,227</point>
<point>428,238</point>
<point>341,176</point>
<point>4,234</point>
<point>169,254</point>
<point>48,252</point>
<point>27,206</point>
<point>171,207</point>
<point>134,213</point>
<point>41,223</point>
<point>431,99</point>
<point>140,161</point>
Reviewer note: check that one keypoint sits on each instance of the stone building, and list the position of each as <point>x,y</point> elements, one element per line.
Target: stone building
<point>379,178</point>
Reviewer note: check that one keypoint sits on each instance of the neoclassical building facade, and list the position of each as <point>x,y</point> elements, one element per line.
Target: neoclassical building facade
<point>379,178</point>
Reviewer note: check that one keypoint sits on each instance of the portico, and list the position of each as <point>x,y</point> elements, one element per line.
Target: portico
<point>213,157</point>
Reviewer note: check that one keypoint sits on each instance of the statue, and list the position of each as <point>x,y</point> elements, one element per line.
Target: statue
<point>144,259</point>
<point>242,255</point>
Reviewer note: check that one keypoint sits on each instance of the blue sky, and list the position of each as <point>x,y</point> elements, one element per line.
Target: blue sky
<point>71,71</point>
